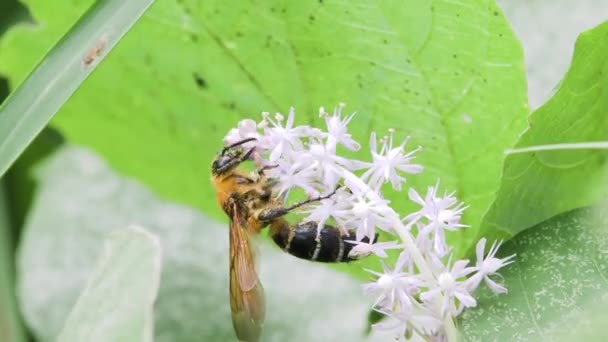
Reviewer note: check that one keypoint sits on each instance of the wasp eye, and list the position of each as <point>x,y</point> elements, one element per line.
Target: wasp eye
<point>221,163</point>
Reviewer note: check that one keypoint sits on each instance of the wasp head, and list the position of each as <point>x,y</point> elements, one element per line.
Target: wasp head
<point>231,156</point>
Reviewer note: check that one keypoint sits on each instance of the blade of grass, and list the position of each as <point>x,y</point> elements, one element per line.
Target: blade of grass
<point>11,328</point>
<point>30,107</point>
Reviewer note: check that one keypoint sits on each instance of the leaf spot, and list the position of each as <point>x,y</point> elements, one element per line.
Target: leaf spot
<point>199,80</point>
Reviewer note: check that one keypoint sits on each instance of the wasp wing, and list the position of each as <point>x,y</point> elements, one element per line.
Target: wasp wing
<point>246,292</point>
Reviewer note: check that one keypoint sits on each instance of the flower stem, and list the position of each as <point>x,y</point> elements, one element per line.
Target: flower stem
<point>412,248</point>
<point>425,270</point>
<point>450,329</point>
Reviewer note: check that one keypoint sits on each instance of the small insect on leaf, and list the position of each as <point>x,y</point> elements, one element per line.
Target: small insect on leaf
<point>95,52</point>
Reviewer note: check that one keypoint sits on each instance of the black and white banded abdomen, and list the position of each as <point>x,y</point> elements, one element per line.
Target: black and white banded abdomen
<point>301,241</point>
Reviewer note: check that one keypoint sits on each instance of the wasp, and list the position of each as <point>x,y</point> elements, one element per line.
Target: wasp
<point>250,205</point>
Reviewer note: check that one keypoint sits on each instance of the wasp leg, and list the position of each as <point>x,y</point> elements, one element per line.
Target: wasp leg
<point>261,170</point>
<point>257,198</point>
<point>311,200</point>
<point>230,203</point>
<point>270,214</point>
<point>269,183</point>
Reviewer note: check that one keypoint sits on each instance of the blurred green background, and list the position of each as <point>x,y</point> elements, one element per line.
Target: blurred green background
<point>154,171</point>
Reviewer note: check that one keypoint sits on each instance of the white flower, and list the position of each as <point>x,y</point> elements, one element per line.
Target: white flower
<point>488,266</point>
<point>363,249</point>
<point>329,208</point>
<point>368,209</point>
<point>423,241</point>
<point>337,132</point>
<point>394,289</point>
<point>246,129</point>
<point>279,139</point>
<point>407,326</point>
<point>295,175</point>
<point>327,163</point>
<point>395,325</point>
<point>440,214</point>
<point>389,162</point>
<point>365,214</point>
<point>451,289</point>
<point>420,292</point>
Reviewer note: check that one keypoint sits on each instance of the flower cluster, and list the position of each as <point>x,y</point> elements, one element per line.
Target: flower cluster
<point>425,289</point>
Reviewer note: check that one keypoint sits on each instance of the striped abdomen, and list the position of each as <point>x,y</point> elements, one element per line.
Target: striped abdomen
<point>301,241</point>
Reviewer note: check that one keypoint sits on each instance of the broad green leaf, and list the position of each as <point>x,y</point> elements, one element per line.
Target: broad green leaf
<point>117,302</point>
<point>450,74</point>
<point>539,185</point>
<point>10,320</point>
<point>80,201</point>
<point>32,105</point>
<point>558,284</point>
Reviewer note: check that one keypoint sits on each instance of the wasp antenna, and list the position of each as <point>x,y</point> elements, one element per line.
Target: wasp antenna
<point>328,195</point>
<point>248,153</point>
<point>238,143</point>
<point>311,200</point>
<point>338,187</point>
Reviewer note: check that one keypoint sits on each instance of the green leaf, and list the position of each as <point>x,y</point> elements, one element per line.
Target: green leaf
<point>80,201</point>
<point>31,106</point>
<point>557,285</point>
<point>450,74</point>
<point>539,185</point>
<point>118,300</point>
